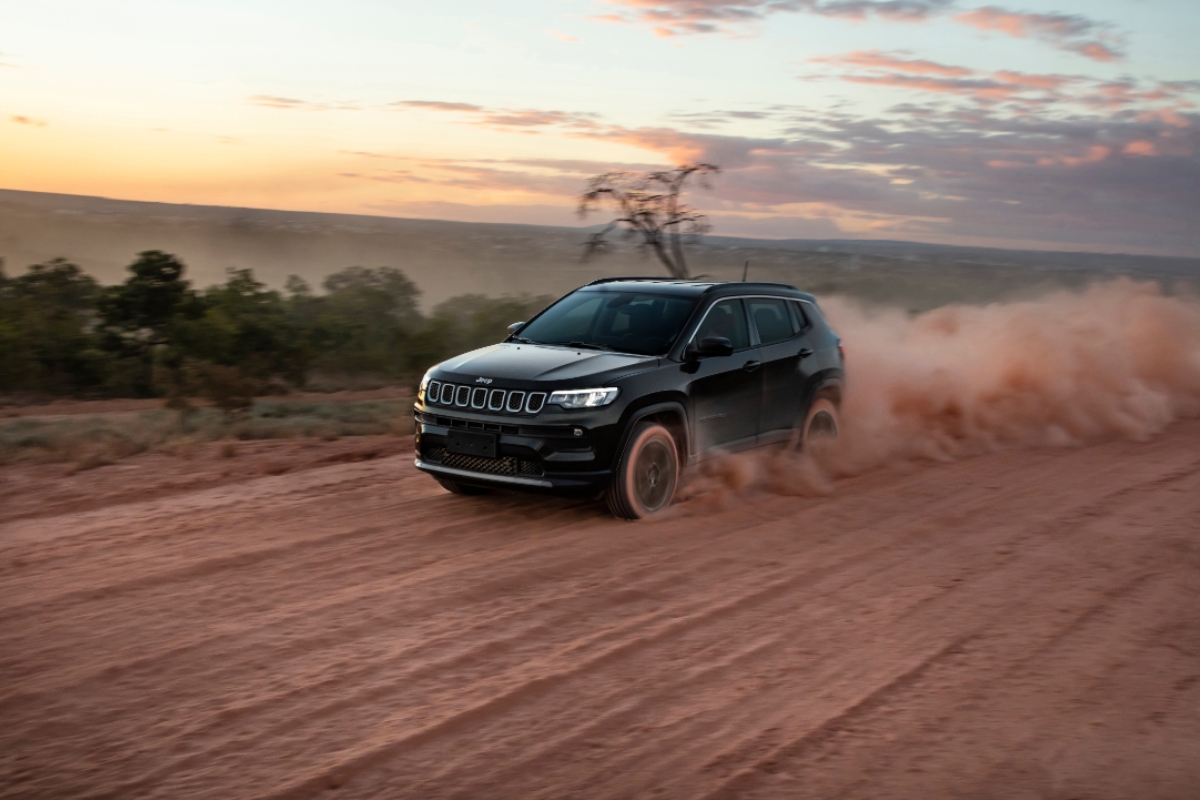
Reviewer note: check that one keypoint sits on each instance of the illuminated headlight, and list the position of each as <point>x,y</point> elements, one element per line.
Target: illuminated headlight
<point>583,398</point>
<point>424,386</point>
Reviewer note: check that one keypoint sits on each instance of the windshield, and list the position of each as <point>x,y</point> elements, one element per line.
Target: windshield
<point>629,322</point>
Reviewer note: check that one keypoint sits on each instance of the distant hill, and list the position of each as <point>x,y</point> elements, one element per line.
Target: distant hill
<point>452,258</point>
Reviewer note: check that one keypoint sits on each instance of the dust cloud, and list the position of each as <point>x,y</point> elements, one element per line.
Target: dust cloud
<point>1118,360</point>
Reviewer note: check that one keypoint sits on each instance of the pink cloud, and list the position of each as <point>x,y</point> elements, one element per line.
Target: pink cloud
<point>874,59</point>
<point>21,120</point>
<point>1064,31</point>
<point>678,17</point>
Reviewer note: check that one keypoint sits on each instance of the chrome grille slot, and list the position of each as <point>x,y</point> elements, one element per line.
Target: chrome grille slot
<point>515,401</point>
<point>433,391</point>
<point>536,402</point>
<point>496,400</point>
<point>448,393</point>
<point>462,396</point>
<point>479,398</point>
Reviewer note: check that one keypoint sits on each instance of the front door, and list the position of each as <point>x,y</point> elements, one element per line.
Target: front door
<point>726,391</point>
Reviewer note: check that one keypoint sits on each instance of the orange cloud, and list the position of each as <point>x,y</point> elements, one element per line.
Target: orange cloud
<point>1141,147</point>
<point>20,120</point>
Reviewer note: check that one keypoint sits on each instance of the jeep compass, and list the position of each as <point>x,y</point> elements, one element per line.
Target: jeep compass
<point>617,387</point>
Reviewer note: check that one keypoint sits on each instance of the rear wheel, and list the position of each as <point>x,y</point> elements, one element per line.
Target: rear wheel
<point>820,425</point>
<point>461,488</point>
<point>646,475</point>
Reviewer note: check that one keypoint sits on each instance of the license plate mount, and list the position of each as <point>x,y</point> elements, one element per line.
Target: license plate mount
<point>471,443</point>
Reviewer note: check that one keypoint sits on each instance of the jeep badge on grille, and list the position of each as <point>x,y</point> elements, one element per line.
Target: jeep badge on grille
<point>483,380</point>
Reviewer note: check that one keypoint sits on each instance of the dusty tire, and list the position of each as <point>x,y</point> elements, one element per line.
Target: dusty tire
<point>821,425</point>
<point>646,475</point>
<point>455,487</point>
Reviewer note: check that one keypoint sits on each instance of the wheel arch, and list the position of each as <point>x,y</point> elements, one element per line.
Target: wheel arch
<point>671,414</point>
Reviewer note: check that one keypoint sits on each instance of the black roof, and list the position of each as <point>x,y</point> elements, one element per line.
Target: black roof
<point>690,288</point>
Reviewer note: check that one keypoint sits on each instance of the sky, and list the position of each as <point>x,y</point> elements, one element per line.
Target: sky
<point>1057,124</point>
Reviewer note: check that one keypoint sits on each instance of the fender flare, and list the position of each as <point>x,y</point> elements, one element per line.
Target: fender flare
<point>829,380</point>
<point>672,406</point>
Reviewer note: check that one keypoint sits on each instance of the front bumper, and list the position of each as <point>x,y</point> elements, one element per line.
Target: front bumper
<point>561,459</point>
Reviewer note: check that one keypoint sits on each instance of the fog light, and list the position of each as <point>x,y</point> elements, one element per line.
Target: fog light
<point>579,431</point>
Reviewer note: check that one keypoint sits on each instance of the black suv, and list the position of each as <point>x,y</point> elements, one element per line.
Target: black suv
<point>616,387</point>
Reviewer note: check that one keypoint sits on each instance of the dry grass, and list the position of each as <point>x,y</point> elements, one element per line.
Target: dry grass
<point>88,442</point>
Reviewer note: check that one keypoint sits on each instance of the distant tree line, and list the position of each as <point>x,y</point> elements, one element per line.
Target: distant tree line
<point>154,335</point>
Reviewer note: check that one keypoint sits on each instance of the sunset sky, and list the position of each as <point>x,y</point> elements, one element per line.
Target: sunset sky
<point>1064,125</point>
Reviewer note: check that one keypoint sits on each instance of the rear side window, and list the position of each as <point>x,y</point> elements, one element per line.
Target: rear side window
<point>801,319</point>
<point>727,318</point>
<point>771,319</point>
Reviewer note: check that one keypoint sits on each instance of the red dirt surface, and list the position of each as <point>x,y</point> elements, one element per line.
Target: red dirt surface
<point>61,408</point>
<point>1022,624</point>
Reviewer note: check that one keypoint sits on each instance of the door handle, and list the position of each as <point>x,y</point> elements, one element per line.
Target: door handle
<point>805,352</point>
<point>750,366</point>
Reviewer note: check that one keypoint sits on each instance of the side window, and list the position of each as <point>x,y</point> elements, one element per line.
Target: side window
<point>771,319</point>
<point>727,318</point>
<point>798,310</point>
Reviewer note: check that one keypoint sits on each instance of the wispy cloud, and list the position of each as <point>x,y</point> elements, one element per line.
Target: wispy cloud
<point>877,68</point>
<point>680,17</point>
<point>291,103</point>
<point>527,119</point>
<point>563,37</point>
<point>1070,32</point>
<point>874,59</point>
<point>22,120</point>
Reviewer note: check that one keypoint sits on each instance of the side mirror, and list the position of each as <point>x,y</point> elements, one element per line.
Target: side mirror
<point>710,346</point>
<point>516,326</point>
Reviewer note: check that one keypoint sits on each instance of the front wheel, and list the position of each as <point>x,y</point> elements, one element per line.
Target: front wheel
<point>646,475</point>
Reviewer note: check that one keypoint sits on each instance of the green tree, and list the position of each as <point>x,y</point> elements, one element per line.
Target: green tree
<point>46,344</point>
<point>137,317</point>
<point>363,323</point>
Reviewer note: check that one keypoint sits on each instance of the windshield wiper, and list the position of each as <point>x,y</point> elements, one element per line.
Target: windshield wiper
<point>523,340</point>
<point>583,345</point>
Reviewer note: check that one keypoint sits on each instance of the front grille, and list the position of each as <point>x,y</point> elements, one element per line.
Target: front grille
<point>507,466</point>
<point>480,398</point>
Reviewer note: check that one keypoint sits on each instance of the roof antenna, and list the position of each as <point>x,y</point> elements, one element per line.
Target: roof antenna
<point>745,269</point>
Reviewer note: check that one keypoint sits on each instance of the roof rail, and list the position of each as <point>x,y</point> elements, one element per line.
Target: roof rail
<point>748,285</point>
<point>631,278</point>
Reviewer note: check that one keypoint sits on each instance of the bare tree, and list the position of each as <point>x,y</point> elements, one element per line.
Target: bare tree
<point>650,206</point>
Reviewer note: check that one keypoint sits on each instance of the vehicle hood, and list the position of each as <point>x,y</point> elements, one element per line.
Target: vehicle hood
<point>525,362</point>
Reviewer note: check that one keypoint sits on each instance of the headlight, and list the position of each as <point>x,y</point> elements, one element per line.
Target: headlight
<point>583,398</point>
<point>424,386</point>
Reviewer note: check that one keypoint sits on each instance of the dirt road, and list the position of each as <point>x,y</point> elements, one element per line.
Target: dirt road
<point>1017,625</point>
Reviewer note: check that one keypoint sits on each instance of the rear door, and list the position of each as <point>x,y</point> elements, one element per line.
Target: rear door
<point>787,365</point>
<point>726,391</point>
